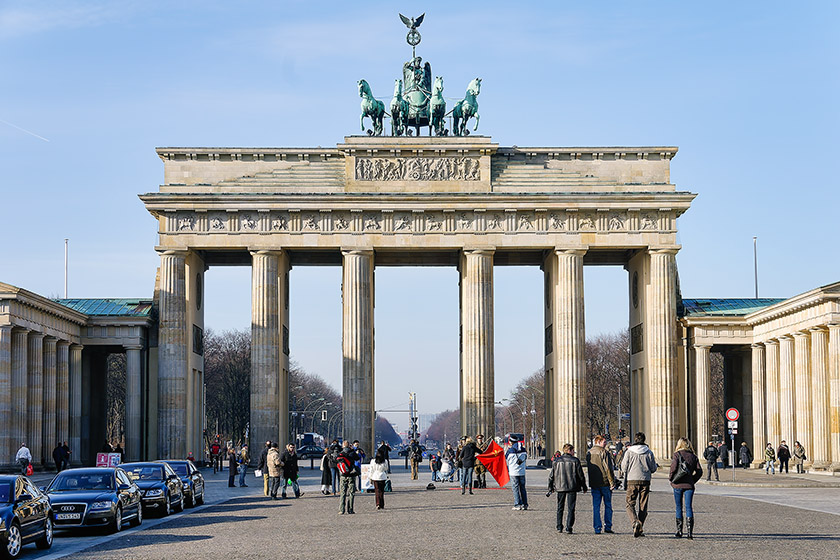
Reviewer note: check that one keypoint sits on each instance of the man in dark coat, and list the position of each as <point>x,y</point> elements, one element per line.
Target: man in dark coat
<point>711,456</point>
<point>745,455</point>
<point>566,478</point>
<point>290,470</point>
<point>67,454</point>
<point>335,449</point>
<point>783,455</point>
<point>468,453</point>
<point>58,456</point>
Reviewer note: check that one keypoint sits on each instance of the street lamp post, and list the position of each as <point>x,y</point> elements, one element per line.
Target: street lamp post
<point>521,410</point>
<point>303,414</point>
<point>534,415</point>
<point>312,427</point>
<point>339,413</point>
<point>509,412</point>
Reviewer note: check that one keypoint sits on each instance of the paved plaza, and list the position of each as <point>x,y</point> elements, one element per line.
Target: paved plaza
<point>240,523</point>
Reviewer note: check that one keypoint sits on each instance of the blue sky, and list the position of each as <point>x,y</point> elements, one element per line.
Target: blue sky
<point>747,90</point>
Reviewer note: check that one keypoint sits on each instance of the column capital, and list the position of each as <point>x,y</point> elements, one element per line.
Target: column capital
<point>664,250</point>
<point>34,334</point>
<point>79,347</point>
<point>172,252</point>
<point>801,334</point>
<point>819,329</point>
<point>133,346</point>
<point>274,252</point>
<point>786,337</point>
<point>364,251</point>
<point>577,252</point>
<point>62,342</point>
<point>702,346</point>
<point>833,326</point>
<point>50,339</point>
<point>771,342</point>
<point>489,251</point>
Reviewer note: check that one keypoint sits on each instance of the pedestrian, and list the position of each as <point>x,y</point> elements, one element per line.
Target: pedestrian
<point>274,469</point>
<point>106,448</point>
<point>566,478</point>
<point>769,459</point>
<point>433,465</point>
<point>449,457</point>
<point>263,467</point>
<point>783,454</point>
<point>638,465</point>
<point>290,470</point>
<point>415,455</point>
<point>480,469</point>
<point>361,454</point>
<point>723,452</point>
<point>799,457</point>
<point>23,458</point>
<point>386,450</point>
<point>58,456</point>
<point>347,467</point>
<point>711,456</point>
<point>601,469</point>
<point>326,473</point>
<point>215,452</point>
<point>515,457</point>
<point>468,453</point>
<point>231,457</point>
<point>244,459</point>
<point>67,453</point>
<point>379,476</point>
<point>335,449</point>
<point>684,474</point>
<point>459,464</point>
<point>745,455</point>
<point>118,449</point>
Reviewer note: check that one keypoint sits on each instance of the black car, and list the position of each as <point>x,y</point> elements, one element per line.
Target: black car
<point>191,478</point>
<point>94,497</point>
<point>310,451</point>
<point>25,516</point>
<point>161,488</point>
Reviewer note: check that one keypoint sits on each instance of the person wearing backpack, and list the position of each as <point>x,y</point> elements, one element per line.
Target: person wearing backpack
<point>347,471</point>
<point>684,474</point>
<point>711,456</point>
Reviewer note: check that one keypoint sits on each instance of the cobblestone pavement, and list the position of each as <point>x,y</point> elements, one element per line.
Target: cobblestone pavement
<point>442,522</point>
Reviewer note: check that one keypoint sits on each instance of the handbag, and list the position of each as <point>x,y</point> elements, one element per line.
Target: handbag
<point>258,473</point>
<point>683,473</point>
<point>29,469</point>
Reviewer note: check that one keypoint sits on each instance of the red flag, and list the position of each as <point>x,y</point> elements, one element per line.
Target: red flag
<point>494,459</point>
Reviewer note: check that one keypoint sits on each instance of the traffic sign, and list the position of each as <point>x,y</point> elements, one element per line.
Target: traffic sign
<point>733,431</point>
<point>732,414</point>
<point>732,424</point>
<point>625,416</point>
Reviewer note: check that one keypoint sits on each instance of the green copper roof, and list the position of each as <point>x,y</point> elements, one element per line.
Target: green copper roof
<point>110,307</point>
<point>716,307</point>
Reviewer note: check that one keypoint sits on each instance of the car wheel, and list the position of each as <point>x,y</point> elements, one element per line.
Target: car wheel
<point>116,523</point>
<point>191,503</point>
<point>45,542</point>
<point>139,519</point>
<point>14,541</point>
<point>200,500</point>
<point>168,509</point>
<point>180,507</point>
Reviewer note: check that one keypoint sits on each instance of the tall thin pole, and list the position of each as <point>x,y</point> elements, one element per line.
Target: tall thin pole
<point>65,266</point>
<point>755,264</point>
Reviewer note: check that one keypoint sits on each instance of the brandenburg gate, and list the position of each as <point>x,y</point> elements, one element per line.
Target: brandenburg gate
<point>460,201</point>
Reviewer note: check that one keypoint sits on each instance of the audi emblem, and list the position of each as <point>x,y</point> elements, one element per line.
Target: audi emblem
<point>67,508</point>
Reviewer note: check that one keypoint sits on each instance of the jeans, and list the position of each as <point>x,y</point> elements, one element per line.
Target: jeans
<point>520,497</point>
<point>566,502</point>
<point>275,485</point>
<point>783,465</point>
<point>336,479</point>
<point>711,466</point>
<point>688,494</point>
<point>770,466</point>
<point>242,470</point>
<point>295,487</point>
<point>604,494</point>
<point>467,478</point>
<point>637,490</point>
<point>348,493</point>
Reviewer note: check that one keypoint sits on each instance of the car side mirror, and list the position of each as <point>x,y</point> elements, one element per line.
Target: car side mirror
<point>173,477</point>
<point>42,488</point>
<point>124,487</point>
<point>24,498</point>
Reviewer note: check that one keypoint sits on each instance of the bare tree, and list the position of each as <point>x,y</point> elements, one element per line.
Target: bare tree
<point>607,368</point>
<point>115,399</point>
<point>227,373</point>
<point>445,427</point>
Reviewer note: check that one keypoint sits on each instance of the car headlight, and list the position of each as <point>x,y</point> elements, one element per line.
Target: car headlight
<point>101,505</point>
<point>2,524</point>
<point>154,492</point>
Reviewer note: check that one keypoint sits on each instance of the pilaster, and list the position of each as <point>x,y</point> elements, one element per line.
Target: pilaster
<point>786,390</point>
<point>6,441</point>
<point>703,382</point>
<point>834,397</point>
<point>49,411</point>
<point>759,410</point>
<point>820,398</point>
<point>35,398</point>
<point>774,425</point>
<point>133,402</point>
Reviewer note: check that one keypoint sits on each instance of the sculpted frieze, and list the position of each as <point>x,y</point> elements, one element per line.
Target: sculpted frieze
<point>418,169</point>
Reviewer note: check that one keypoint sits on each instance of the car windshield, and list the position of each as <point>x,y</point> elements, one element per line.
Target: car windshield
<point>145,473</point>
<point>82,481</point>
<point>6,492</point>
<point>179,468</point>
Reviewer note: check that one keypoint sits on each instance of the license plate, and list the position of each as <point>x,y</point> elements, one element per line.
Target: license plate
<point>68,516</point>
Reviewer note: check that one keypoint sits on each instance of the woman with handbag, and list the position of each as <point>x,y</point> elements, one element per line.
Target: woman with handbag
<point>685,472</point>
<point>379,476</point>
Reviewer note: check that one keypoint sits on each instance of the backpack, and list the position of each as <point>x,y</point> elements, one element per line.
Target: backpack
<point>344,465</point>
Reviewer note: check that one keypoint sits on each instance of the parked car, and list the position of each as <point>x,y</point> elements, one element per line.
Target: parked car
<point>161,489</point>
<point>310,451</point>
<point>25,516</point>
<point>191,478</point>
<point>94,497</point>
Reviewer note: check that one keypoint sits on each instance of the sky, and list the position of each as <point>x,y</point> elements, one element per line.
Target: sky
<point>748,92</point>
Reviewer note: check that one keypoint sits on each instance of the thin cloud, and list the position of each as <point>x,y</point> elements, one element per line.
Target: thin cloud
<point>18,19</point>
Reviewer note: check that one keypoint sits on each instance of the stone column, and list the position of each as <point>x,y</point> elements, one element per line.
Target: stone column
<point>774,424</point>
<point>786,390</point>
<point>62,392</point>
<point>703,373</point>
<point>265,350</point>
<point>133,402</point>
<point>172,357</point>
<point>834,397</point>
<point>662,352</point>
<point>477,372</point>
<point>20,390</point>
<point>6,441</point>
<point>75,441</point>
<point>802,391</point>
<point>357,295</point>
<point>49,417</point>
<point>759,409</point>
<point>35,398</point>
<point>820,414</point>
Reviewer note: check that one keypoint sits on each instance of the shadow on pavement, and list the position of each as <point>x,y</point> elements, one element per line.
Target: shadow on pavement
<point>147,539</point>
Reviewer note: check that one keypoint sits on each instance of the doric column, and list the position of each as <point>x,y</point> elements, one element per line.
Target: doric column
<point>265,349</point>
<point>759,407</point>
<point>75,441</point>
<point>834,382</point>
<point>133,402</point>
<point>703,374</point>
<point>820,398</point>
<point>774,423</point>
<point>802,390</point>
<point>786,390</point>
<point>662,352</point>
<point>20,389</point>
<point>62,391</point>
<point>357,296</point>
<point>49,416</point>
<point>172,357</point>
<point>6,441</point>
<point>35,397</point>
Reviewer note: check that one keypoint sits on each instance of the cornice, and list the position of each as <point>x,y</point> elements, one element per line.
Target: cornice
<point>41,303</point>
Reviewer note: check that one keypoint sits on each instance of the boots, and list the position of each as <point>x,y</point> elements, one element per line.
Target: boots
<point>690,527</point>
<point>678,534</point>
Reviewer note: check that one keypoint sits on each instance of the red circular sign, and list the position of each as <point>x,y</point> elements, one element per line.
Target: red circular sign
<point>732,414</point>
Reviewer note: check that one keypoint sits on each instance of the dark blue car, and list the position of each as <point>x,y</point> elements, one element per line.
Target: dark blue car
<point>25,516</point>
<point>192,480</point>
<point>94,497</point>
<point>161,488</point>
